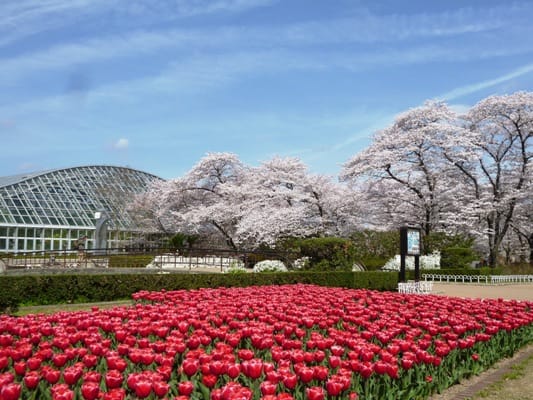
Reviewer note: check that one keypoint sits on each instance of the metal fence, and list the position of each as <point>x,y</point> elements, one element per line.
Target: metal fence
<point>152,258</point>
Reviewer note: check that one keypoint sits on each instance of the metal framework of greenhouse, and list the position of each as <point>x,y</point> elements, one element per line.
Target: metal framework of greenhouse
<point>53,210</point>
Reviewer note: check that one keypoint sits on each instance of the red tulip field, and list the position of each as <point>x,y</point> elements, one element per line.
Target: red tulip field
<point>263,342</point>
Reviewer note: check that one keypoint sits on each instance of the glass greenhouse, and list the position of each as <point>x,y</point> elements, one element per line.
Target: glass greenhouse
<point>53,210</point>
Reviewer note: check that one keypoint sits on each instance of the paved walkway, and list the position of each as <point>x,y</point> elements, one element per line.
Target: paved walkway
<point>474,290</point>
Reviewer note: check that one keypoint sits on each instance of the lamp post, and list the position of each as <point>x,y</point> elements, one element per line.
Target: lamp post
<point>100,233</point>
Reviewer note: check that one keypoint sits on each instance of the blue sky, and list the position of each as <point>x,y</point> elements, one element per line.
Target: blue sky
<point>156,84</point>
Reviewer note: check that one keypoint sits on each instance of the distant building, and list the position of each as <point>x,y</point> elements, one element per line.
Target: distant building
<point>58,209</point>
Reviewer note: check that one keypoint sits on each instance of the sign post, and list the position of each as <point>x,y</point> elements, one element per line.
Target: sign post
<point>410,245</point>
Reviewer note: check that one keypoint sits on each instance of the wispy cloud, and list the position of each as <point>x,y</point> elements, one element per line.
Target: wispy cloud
<point>188,8</point>
<point>200,73</point>
<point>23,18</point>
<point>371,28</point>
<point>363,28</point>
<point>478,86</point>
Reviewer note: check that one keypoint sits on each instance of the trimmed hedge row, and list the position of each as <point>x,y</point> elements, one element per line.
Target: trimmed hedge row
<point>78,288</point>
<point>129,261</point>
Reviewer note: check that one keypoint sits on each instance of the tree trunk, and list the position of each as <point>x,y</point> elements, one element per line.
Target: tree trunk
<point>530,241</point>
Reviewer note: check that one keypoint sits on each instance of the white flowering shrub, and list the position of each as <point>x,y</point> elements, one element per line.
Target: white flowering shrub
<point>270,266</point>
<point>235,267</point>
<point>431,261</point>
<point>301,263</point>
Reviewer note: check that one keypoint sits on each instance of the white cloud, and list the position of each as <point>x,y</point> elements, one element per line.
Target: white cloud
<point>121,144</point>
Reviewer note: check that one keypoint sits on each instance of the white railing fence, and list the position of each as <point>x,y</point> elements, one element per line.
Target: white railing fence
<point>487,279</point>
<point>426,285</point>
<point>412,287</point>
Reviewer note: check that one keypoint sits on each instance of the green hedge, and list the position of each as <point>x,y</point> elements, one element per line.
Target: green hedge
<point>78,288</point>
<point>457,257</point>
<point>325,254</point>
<point>130,261</point>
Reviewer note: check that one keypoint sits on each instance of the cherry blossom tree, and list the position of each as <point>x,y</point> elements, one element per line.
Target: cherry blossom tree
<point>494,156</point>
<point>404,163</point>
<point>247,206</point>
<point>149,208</point>
<point>204,201</point>
<point>286,201</point>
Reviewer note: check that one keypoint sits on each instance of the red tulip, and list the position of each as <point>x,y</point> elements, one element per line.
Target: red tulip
<point>217,367</point>
<point>252,368</point>
<point>34,363</point>
<point>366,370</point>
<point>62,392</point>
<point>90,390</point>
<point>51,375</point>
<point>115,394</point>
<point>160,388</point>
<point>290,381</point>
<point>245,354</point>
<point>32,379</point>
<point>306,374</point>
<point>321,372</point>
<point>185,388</point>
<point>267,388</point>
<point>190,366</point>
<point>90,360</point>
<point>315,393</point>
<point>380,367</point>
<point>20,367</point>
<point>334,387</point>
<point>92,376</point>
<point>284,396</point>
<point>113,379</point>
<point>209,380</point>
<point>143,388</point>
<point>59,359</point>
<point>11,391</point>
<point>233,370</point>
<point>334,361</point>
<point>72,374</point>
